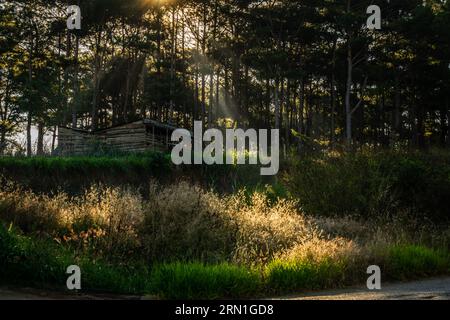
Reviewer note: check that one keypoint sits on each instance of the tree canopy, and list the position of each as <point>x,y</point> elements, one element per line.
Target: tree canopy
<point>309,68</point>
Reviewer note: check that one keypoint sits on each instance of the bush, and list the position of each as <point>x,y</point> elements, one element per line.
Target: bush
<point>315,264</point>
<point>185,223</point>
<point>266,230</point>
<point>75,174</point>
<point>31,212</point>
<point>105,220</point>
<point>23,260</point>
<point>42,263</point>
<point>184,242</point>
<point>188,224</point>
<point>371,184</point>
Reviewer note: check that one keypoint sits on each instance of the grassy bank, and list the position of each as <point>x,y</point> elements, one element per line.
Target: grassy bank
<point>182,241</point>
<point>43,265</point>
<point>74,174</point>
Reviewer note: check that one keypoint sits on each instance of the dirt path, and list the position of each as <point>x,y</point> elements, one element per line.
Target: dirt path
<point>434,289</point>
<point>9,293</point>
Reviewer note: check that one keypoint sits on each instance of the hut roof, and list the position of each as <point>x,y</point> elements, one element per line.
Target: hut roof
<point>144,121</point>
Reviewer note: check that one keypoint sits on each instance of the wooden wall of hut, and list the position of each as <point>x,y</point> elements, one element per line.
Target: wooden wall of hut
<point>133,137</point>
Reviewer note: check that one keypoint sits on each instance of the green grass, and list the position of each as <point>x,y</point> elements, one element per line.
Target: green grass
<point>412,261</point>
<point>42,263</point>
<point>151,161</point>
<point>297,276</point>
<point>195,280</point>
<point>74,174</point>
<point>199,281</point>
<point>23,260</point>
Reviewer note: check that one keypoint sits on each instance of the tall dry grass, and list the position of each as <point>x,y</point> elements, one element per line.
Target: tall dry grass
<point>182,222</point>
<point>104,219</point>
<point>266,230</point>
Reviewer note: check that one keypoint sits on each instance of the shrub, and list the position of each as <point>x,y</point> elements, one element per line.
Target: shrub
<point>183,222</point>
<point>115,214</point>
<point>315,264</point>
<point>186,223</point>
<point>31,212</point>
<point>40,262</point>
<point>371,184</point>
<point>266,229</point>
<point>27,261</point>
<point>103,219</point>
<point>344,185</point>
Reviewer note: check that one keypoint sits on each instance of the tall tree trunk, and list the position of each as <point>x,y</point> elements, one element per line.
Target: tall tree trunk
<point>203,79</point>
<point>301,108</point>
<point>97,68</point>
<point>333,97</point>
<point>421,126</point>
<point>30,87</point>
<point>172,64</point>
<point>2,141</point>
<point>444,125</point>
<point>76,97</point>
<point>212,104</point>
<point>267,103</point>
<point>348,91</point>
<point>348,86</point>
<point>397,104</point>
<point>29,145</point>
<point>277,103</point>
<point>40,140</point>
<point>448,122</point>
<point>55,129</point>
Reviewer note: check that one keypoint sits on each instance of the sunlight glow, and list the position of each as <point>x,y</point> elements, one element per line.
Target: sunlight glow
<point>158,2</point>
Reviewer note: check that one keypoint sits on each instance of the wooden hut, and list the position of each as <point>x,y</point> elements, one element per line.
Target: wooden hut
<point>134,137</point>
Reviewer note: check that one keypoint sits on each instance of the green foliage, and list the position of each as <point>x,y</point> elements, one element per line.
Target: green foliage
<point>295,276</point>
<point>74,174</point>
<point>99,276</point>
<point>371,184</point>
<point>31,261</point>
<point>45,174</point>
<point>181,241</point>
<point>24,260</point>
<point>43,263</point>
<point>199,281</point>
<point>408,261</point>
<point>421,182</point>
